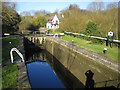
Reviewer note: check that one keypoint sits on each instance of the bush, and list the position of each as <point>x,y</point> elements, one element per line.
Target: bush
<point>91,28</point>
<point>98,41</point>
<point>50,30</point>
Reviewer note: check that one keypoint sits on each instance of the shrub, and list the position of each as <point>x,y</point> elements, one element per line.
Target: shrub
<point>91,28</point>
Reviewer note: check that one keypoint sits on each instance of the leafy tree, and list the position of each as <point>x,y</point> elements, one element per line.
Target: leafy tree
<point>10,18</point>
<point>73,20</point>
<point>32,23</point>
<point>39,21</point>
<point>92,29</point>
<point>105,19</point>
<point>26,24</point>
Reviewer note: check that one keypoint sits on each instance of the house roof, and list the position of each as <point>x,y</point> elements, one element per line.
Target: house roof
<point>50,19</point>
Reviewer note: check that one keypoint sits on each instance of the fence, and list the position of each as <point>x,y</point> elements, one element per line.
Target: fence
<point>93,38</point>
<point>109,83</point>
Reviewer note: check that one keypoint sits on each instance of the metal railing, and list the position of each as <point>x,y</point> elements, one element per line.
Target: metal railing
<point>108,83</point>
<point>18,52</point>
<point>101,38</point>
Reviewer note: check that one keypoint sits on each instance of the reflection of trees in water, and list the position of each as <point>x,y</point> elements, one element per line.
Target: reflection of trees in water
<point>38,56</point>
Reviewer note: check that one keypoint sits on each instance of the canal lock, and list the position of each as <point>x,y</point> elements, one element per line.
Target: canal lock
<point>45,71</point>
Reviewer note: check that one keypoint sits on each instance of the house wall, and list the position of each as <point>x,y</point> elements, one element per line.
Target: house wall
<point>54,21</point>
<point>48,25</point>
<point>55,26</point>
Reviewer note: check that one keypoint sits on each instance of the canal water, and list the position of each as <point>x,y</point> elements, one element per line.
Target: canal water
<point>41,73</point>
<point>45,71</point>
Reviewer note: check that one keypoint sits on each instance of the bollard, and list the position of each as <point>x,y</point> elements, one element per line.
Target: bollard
<point>72,41</point>
<point>104,50</point>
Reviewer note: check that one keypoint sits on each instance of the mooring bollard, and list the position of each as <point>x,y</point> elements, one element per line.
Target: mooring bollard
<point>104,50</point>
<point>56,35</point>
<point>72,41</point>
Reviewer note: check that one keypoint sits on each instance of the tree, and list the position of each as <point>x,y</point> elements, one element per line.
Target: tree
<point>103,21</point>
<point>73,7</point>
<point>25,13</point>
<point>112,6</point>
<point>10,18</point>
<point>96,6</point>
<point>40,13</point>
<point>92,29</point>
<point>56,12</point>
<point>26,24</point>
<point>39,21</point>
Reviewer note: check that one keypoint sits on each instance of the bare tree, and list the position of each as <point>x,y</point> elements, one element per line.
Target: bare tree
<point>40,13</point>
<point>112,5</point>
<point>56,11</point>
<point>96,6</point>
<point>73,7</point>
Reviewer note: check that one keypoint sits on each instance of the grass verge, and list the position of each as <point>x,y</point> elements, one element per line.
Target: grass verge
<point>112,53</point>
<point>9,76</point>
<point>9,71</point>
<point>6,47</point>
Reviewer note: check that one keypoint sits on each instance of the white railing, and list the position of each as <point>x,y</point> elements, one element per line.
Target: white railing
<point>70,33</point>
<point>17,51</point>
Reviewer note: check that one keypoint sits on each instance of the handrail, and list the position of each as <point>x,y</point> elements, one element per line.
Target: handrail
<point>17,51</point>
<point>70,33</point>
<point>108,81</point>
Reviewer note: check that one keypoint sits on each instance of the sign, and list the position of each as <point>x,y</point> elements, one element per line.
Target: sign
<point>110,34</point>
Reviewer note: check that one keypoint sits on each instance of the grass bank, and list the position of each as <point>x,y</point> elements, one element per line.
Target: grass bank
<point>9,76</point>
<point>9,71</point>
<point>112,53</point>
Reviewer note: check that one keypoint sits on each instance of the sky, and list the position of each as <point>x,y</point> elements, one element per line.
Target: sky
<point>51,6</point>
<point>48,6</point>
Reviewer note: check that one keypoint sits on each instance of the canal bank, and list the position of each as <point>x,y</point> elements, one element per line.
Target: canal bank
<point>78,60</point>
<point>45,71</point>
<point>11,72</point>
<point>23,80</point>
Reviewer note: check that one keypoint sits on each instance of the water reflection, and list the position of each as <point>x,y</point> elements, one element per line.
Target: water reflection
<point>41,75</point>
<point>45,71</point>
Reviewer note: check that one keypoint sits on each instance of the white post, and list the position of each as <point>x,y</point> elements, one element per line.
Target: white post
<point>17,51</point>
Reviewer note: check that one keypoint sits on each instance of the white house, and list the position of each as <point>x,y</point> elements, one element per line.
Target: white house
<point>53,23</point>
